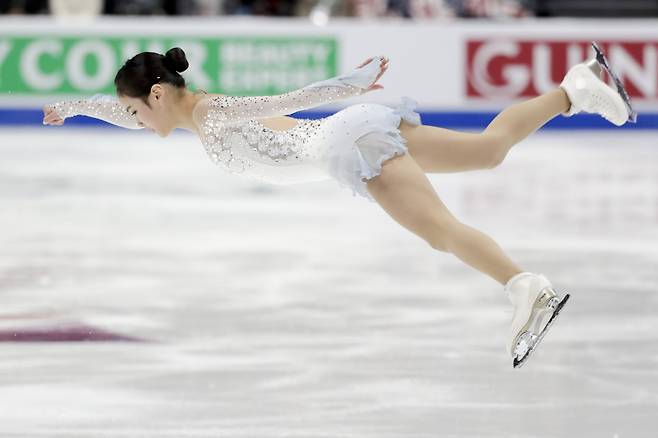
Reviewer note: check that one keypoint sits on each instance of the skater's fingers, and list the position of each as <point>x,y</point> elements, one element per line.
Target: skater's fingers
<point>383,61</point>
<point>50,114</point>
<point>49,110</point>
<point>381,73</point>
<point>374,87</point>
<point>366,61</point>
<point>52,117</point>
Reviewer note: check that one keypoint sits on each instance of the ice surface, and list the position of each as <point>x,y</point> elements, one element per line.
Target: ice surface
<point>302,311</point>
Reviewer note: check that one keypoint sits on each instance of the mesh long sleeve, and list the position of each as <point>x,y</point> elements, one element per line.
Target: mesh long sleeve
<point>236,108</point>
<point>99,106</point>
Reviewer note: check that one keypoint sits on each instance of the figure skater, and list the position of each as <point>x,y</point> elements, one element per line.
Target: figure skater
<point>379,152</point>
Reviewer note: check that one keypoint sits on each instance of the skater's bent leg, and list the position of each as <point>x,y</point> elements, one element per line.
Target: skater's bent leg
<point>405,193</point>
<point>518,121</point>
<point>440,150</point>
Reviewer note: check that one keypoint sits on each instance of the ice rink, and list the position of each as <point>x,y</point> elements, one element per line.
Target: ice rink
<point>146,293</point>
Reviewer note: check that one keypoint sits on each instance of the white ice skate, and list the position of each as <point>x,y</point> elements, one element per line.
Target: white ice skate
<point>536,304</point>
<point>589,93</point>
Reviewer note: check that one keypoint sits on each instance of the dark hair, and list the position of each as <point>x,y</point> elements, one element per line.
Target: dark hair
<point>141,71</point>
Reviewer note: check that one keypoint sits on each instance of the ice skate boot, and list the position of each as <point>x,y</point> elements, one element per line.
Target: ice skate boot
<point>536,305</point>
<point>589,93</point>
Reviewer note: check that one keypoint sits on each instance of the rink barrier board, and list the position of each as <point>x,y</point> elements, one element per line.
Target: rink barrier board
<point>480,65</point>
<point>448,119</point>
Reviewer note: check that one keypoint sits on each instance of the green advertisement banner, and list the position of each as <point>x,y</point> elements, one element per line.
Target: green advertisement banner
<point>61,64</point>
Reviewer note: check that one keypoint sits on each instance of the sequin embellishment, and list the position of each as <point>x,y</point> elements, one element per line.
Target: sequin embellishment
<point>239,145</point>
<point>100,106</point>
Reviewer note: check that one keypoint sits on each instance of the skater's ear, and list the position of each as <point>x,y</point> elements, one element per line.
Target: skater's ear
<point>157,91</point>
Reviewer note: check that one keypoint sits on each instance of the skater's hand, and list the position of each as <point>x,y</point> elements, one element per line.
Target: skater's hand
<point>51,117</point>
<point>383,65</point>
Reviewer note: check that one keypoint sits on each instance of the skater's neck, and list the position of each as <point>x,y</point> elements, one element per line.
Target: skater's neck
<point>182,112</point>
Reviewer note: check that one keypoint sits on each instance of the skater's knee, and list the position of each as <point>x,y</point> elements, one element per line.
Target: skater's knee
<point>494,147</point>
<point>497,144</point>
<point>497,158</point>
<point>438,244</point>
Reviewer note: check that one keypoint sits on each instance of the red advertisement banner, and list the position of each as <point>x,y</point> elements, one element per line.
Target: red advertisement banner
<point>508,68</point>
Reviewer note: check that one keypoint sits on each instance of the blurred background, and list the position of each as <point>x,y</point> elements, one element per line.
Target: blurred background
<point>145,292</point>
<point>412,9</point>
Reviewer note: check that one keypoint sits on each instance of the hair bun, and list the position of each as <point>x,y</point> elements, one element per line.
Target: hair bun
<point>175,60</point>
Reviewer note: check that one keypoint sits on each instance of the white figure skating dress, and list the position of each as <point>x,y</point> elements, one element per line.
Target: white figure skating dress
<point>349,146</point>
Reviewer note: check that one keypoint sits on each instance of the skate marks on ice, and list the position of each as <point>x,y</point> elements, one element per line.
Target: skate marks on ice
<point>273,314</point>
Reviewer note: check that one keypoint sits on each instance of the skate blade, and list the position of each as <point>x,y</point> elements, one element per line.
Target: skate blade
<point>603,62</point>
<point>516,362</point>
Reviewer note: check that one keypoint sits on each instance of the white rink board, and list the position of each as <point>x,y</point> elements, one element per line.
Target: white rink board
<point>428,60</point>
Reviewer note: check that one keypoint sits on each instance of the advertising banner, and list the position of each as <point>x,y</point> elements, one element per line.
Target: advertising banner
<point>77,64</point>
<point>461,72</point>
<point>511,68</point>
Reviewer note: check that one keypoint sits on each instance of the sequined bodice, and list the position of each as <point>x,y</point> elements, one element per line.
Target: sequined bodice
<point>249,147</point>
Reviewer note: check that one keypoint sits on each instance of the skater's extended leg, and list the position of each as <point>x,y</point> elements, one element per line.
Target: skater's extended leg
<point>440,150</point>
<point>405,193</point>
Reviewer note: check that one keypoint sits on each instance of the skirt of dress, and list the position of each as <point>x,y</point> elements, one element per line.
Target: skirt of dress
<point>361,137</point>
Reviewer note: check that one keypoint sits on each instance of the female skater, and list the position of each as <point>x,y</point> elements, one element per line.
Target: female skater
<point>379,152</point>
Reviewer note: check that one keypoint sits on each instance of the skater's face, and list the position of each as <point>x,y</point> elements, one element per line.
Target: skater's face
<point>156,115</point>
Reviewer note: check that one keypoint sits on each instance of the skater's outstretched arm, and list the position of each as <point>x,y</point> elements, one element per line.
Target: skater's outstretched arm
<point>99,106</point>
<point>358,81</point>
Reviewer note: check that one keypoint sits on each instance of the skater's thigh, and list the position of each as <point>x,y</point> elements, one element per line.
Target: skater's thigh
<point>404,192</point>
<point>441,150</point>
